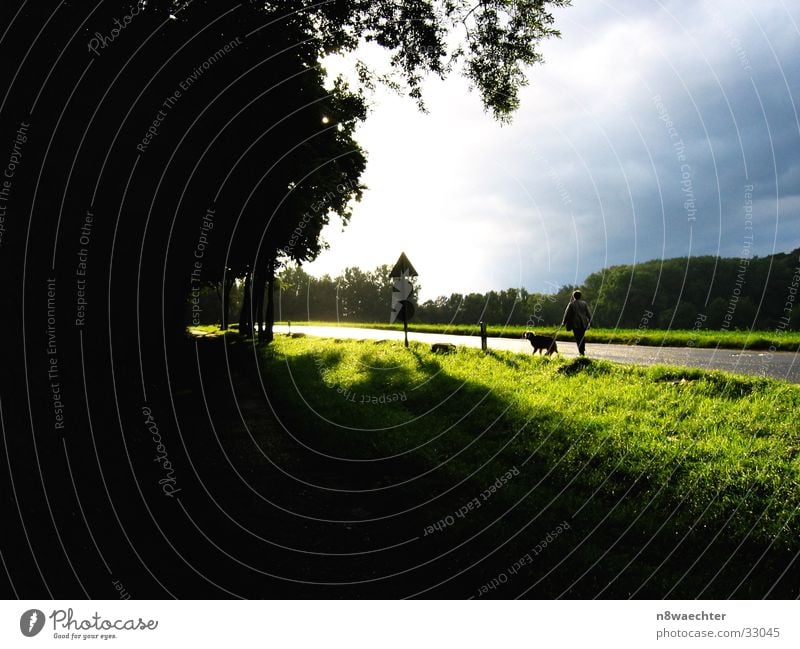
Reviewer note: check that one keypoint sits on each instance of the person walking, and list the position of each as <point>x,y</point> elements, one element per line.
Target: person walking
<point>577,319</point>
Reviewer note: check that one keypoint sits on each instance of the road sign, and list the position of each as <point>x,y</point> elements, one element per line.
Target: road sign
<point>401,292</point>
<point>402,306</point>
<point>403,267</point>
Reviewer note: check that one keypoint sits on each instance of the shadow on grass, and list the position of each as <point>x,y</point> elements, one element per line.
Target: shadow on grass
<point>514,361</point>
<point>709,382</point>
<point>450,436</point>
<point>587,366</point>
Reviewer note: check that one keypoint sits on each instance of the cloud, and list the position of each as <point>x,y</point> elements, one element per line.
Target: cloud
<point>590,173</point>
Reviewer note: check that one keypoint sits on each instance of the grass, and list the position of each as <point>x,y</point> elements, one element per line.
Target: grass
<point>204,330</point>
<point>787,341</point>
<point>707,454</point>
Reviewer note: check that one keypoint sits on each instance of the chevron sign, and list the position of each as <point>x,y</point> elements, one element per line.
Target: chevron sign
<point>402,306</point>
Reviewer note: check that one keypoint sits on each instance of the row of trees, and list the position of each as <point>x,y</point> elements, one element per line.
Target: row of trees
<point>356,295</point>
<point>674,293</point>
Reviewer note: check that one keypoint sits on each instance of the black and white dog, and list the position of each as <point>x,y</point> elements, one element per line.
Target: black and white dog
<point>541,343</point>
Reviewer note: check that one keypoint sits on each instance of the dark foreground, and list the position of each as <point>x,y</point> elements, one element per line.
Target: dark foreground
<point>234,500</point>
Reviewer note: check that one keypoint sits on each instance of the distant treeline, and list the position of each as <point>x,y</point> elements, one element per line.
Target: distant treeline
<point>681,293</point>
<point>365,296</point>
<point>701,292</point>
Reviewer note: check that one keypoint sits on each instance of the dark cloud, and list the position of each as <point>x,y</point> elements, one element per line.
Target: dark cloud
<point>706,127</point>
<point>639,138</point>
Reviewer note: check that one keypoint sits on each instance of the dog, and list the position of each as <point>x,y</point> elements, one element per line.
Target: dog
<point>541,343</point>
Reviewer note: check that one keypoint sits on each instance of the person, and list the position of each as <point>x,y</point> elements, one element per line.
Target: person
<point>577,319</point>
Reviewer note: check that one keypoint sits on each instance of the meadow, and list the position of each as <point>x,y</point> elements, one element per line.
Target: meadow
<point>665,468</point>
<point>704,338</point>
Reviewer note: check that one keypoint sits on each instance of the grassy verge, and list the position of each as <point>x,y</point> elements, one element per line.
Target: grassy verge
<point>705,451</point>
<point>788,341</point>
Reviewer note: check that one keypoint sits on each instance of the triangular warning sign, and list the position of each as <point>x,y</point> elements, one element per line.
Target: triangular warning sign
<point>403,267</point>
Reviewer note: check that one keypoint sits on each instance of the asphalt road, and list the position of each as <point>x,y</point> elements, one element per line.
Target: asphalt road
<point>779,365</point>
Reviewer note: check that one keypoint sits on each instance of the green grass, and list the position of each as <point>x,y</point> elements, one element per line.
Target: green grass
<point>684,445</point>
<point>204,329</point>
<point>788,341</point>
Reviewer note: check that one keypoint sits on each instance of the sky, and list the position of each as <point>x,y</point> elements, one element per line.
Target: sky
<point>652,130</point>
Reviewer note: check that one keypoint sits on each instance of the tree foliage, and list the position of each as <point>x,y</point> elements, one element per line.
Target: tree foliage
<point>727,293</point>
<point>489,42</point>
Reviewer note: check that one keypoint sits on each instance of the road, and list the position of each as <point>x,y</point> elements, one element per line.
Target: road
<point>779,365</point>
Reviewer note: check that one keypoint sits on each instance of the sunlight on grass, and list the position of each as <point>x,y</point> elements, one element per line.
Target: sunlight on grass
<point>717,443</point>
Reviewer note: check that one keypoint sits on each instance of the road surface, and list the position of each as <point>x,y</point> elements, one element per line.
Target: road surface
<point>779,365</point>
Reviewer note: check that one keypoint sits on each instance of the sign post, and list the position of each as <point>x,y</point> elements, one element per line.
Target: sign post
<point>402,306</point>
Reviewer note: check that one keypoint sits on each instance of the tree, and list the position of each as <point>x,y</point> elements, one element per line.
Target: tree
<point>490,42</point>
<point>285,163</point>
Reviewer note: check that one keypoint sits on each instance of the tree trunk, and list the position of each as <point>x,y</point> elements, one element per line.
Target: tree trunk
<point>245,315</point>
<point>259,281</point>
<point>269,317</point>
<point>218,291</point>
<point>227,285</point>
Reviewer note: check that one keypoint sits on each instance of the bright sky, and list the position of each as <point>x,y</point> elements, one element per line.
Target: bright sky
<point>590,173</point>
